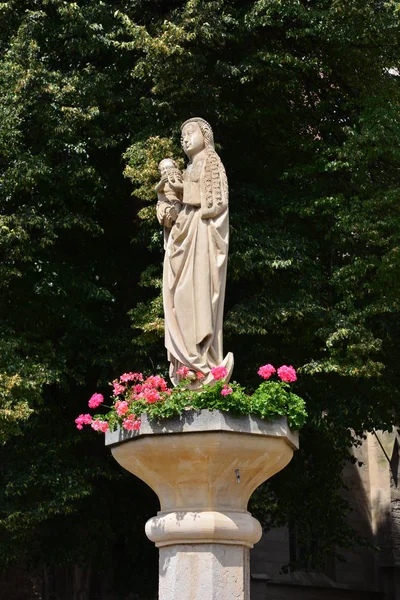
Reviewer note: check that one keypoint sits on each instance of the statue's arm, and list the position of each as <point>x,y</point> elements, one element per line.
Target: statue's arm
<point>161,210</point>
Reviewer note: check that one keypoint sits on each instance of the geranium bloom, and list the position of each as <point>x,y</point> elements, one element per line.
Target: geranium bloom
<point>96,400</point>
<point>226,390</point>
<point>155,381</point>
<point>125,377</point>
<point>118,388</point>
<point>121,407</point>
<point>151,395</point>
<point>266,371</point>
<point>287,373</point>
<point>99,425</point>
<point>131,423</point>
<point>219,373</point>
<point>83,420</point>
<point>184,371</point>
<point>200,375</point>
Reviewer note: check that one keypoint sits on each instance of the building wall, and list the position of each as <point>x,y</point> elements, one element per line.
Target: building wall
<point>374,495</point>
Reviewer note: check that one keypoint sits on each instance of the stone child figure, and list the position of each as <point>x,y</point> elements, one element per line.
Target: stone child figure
<point>169,201</point>
<point>196,257</point>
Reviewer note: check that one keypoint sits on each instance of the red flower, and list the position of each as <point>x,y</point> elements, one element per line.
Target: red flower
<point>287,373</point>
<point>125,377</point>
<point>183,371</point>
<point>266,371</point>
<point>99,425</point>
<point>118,388</point>
<point>219,373</point>
<point>226,390</point>
<point>83,420</point>
<point>155,381</point>
<point>131,423</point>
<point>96,400</point>
<point>151,395</point>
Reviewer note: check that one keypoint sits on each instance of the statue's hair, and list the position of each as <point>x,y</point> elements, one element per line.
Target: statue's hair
<point>206,130</point>
<point>170,160</point>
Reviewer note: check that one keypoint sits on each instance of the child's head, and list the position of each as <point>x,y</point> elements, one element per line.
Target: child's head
<point>166,165</point>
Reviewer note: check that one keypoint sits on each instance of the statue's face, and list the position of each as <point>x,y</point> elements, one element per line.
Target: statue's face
<point>165,166</point>
<point>192,139</point>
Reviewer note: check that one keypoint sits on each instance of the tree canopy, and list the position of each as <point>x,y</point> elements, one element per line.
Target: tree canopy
<point>304,100</point>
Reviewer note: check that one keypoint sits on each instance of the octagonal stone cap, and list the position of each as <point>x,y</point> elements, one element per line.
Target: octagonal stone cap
<point>205,527</point>
<point>207,420</point>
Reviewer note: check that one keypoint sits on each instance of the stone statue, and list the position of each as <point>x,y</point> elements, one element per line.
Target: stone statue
<point>194,212</point>
<point>169,201</point>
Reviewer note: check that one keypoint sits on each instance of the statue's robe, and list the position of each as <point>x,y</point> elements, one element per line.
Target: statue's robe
<point>195,272</point>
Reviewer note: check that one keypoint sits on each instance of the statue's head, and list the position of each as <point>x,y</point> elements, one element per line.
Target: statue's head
<point>196,135</point>
<point>166,165</point>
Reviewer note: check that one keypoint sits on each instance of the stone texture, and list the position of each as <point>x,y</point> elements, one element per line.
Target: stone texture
<point>204,572</point>
<point>205,421</point>
<point>204,467</point>
<point>202,527</point>
<point>195,469</point>
<point>196,256</point>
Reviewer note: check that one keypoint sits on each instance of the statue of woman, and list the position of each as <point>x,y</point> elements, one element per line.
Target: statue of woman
<point>196,260</point>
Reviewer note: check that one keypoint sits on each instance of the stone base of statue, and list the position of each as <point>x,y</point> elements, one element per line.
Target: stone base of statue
<point>204,467</point>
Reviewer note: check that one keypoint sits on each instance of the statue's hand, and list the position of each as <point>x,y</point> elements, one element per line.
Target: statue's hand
<point>173,213</point>
<point>176,185</point>
<point>168,221</point>
<point>160,185</point>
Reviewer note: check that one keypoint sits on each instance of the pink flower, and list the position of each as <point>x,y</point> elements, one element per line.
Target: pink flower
<point>83,420</point>
<point>219,373</point>
<point>155,381</point>
<point>99,425</point>
<point>131,423</point>
<point>96,400</point>
<point>151,395</point>
<point>266,371</point>
<point>118,388</point>
<point>131,377</point>
<point>287,373</point>
<point>200,375</point>
<point>226,390</point>
<point>121,407</point>
<point>183,371</point>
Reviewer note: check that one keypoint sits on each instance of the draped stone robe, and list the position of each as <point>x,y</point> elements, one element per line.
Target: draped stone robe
<point>195,272</point>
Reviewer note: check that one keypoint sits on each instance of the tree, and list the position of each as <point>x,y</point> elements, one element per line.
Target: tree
<point>304,100</point>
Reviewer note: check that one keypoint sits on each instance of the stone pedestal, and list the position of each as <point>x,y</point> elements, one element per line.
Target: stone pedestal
<point>204,466</point>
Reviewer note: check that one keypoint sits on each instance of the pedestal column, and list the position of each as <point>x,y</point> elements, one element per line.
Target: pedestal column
<point>204,467</point>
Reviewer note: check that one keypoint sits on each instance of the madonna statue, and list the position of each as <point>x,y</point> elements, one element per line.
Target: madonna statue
<point>194,210</point>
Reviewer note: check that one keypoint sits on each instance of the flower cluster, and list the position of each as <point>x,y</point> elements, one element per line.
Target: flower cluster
<point>226,390</point>
<point>285,373</point>
<point>131,423</point>
<point>99,425</point>
<point>134,395</point>
<point>96,400</point>
<point>186,373</point>
<point>83,420</point>
<point>129,389</point>
<point>219,373</point>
